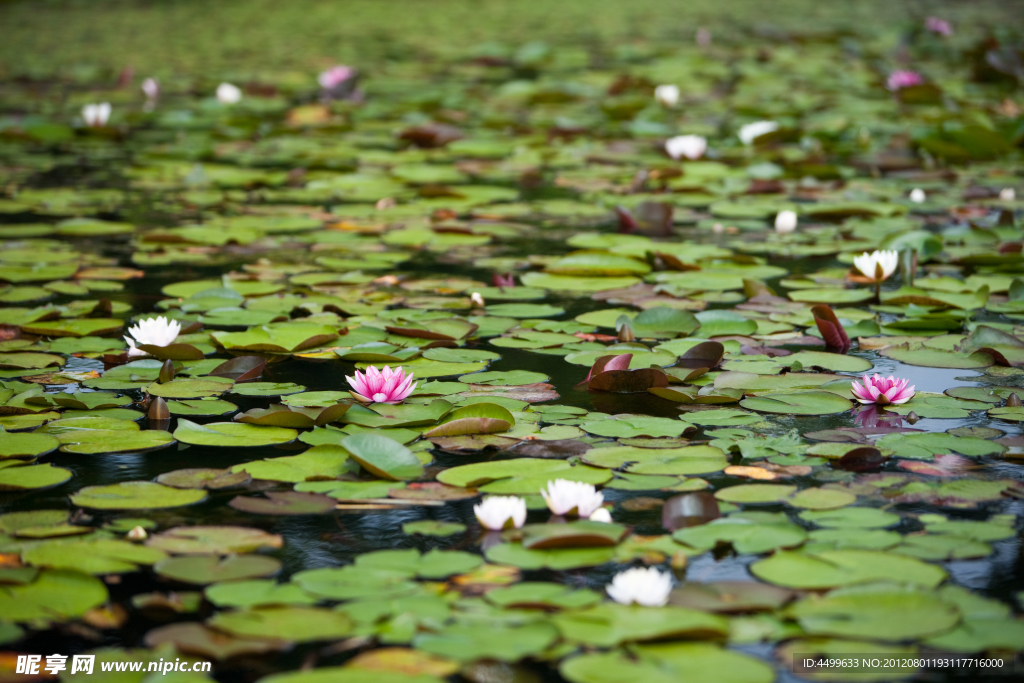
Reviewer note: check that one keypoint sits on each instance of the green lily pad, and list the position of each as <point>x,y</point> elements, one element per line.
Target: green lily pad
<point>231,434</point>
<point>800,403</point>
<point>383,457</point>
<point>54,594</point>
<point>135,495</point>
<point>829,569</point>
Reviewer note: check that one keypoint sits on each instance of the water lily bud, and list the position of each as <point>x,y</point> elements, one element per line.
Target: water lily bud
<point>752,131</point>
<point>667,95</point>
<point>913,417</point>
<point>228,93</point>
<point>601,515</point>
<point>785,222</point>
<point>477,299</point>
<point>167,372</point>
<point>137,534</point>
<point>917,195</point>
<point>626,334</point>
<point>689,146</point>
<point>96,115</point>
<point>1013,400</point>
<point>151,88</point>
<point>158,410</point>
<point>1007,194</point>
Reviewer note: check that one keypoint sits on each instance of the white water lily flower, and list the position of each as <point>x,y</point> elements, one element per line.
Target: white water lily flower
<point>878,265</point>
<point>785,221</point>
<point>1007,194</point>
<point>564,496</point>
<point>667,95</point>
<point>495,512</point>
<point>753,131</point>
<point>917,195</point>
<point>151,88</point>
<point>228,93</point>
<point>156,331</point>
<point>689,146</point>
<point>601,515</point>
<point>96,115</point>
<point>643,585</point>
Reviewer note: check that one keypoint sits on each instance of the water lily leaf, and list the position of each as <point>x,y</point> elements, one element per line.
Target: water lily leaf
<point>730,596</point>
<point>851,518</point>
<point>383,457</point>
<point>801,403</point>
<point>293,623</point>
<point>429,527</point>
<point>297,417</point>
<point>277,337</point>
<point>284,503</point>
<point>632,426</point>
<point>832,568</point>
<point>240,368</point>
<point>577,534</point>
<point>744,535</point>
<point>675,461</point>
<point>25,446</point>
<point>54,595</point>
<point>220,540</point>
<point>206,569</point>
<point>610,624</point>
<point>721,322</point>
<point>936,358</point>
<point>135,495</point>
<point>256,592</point>
<point>97,441</point>
<point>926,446</point>
<point>77,327</point>
<point>504,379</point>
<point>520,475</point>
<point>756,383</point>
<point>541,595</point>
<point>29,360</point>
<point>231,434</point>
<point>722,417</point>
<point>594,263</point>
<point>196,639</point>
<point>204,408</point>
<point>467,642</point>
<point>91,555</point>
<point>880,612</point>
<point>203,478</point>
<point>831,295</point>
<point>380,415</point>
<point>755,493</point>
<point>177,351</point>
<point>15,476</point>
<point>186,387</point>
<point>576,283</point>
<point>326,461</point>
<point>556,558</point>
<point>663,663</point>
<point>267,389</point>
<point>478,418</point>
<point>821,499</point>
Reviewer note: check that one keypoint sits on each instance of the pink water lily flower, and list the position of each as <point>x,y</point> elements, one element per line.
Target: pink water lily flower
<point>882,390</point>
<point>939,26</point>
<point>335,76</point>
<point>903,79</point>
<point>389,386</point>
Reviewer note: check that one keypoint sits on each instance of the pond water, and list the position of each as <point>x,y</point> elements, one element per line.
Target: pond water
<point>500,227</point>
